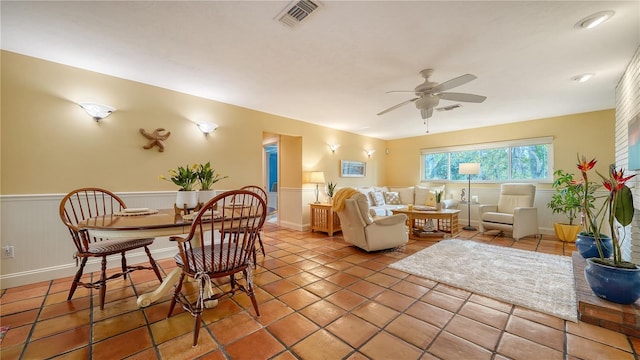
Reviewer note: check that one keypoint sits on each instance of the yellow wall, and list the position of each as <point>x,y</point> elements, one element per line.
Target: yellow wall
<point>50,145</point>
<point>591,134</point>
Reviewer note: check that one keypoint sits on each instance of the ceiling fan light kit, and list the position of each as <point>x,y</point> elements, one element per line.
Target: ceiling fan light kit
<point>429,93</point>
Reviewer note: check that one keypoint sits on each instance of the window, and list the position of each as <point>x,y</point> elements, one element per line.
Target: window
<point>518,160</point>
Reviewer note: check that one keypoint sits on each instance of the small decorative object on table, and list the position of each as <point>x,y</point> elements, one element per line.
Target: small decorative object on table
<point>331,187</point>
<point>207,176</point>
<point>186,178</point>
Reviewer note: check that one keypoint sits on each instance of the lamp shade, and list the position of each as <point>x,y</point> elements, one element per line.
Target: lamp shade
<point>316,177</point>
<point>469,169</point>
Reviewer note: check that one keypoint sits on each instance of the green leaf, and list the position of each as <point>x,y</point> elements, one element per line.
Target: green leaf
<point>624,206</point>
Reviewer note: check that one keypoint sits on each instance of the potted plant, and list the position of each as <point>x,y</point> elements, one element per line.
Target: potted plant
<point>612,278</point>
<point>331,187</point>
<point>566,200</point>
<point>207,176</point>
<point>186,178</point>
<point>438,200</point>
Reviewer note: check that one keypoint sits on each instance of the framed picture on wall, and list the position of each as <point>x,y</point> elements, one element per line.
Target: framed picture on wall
<point>634,143</point>
<point>350,168</point>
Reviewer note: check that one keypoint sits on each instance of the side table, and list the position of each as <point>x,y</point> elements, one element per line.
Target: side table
<point>324,219</point>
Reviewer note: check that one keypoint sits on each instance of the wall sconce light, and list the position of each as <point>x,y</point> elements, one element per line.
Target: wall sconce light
<point>334,147</point>
<point>369,152</point>
<point>207,127</point>
<point>97,111</point>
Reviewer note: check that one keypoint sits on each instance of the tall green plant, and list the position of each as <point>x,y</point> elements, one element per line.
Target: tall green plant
<point>207,176</point>
<point>567,199</point>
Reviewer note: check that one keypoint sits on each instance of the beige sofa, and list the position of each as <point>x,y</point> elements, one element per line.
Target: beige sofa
<point>382,199</point>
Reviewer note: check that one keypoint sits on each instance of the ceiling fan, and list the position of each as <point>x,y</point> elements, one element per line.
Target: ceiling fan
<point>428,94</point>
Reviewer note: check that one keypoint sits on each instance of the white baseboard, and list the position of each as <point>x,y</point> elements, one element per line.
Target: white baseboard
<point>70,269</point>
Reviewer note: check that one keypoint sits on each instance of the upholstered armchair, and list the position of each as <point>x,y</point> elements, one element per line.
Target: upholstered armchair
<point>361,230</point>
<point>513,213</point>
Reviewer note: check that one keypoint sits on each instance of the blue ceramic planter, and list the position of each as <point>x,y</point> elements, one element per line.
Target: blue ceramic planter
<point>588,249</point>
<point>620,286</point>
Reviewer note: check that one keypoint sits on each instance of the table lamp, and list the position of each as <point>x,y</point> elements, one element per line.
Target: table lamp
<point>469,169</point>
<point>316,177</point>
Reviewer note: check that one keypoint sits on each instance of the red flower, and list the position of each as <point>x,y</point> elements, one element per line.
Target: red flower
<point>618,179</point>
<point>585,166</point>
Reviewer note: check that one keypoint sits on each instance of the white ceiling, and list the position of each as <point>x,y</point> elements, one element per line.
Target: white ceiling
<point>336,67</point>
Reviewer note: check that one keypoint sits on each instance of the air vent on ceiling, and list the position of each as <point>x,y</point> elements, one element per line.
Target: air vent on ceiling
<point>449,108</point>
<point>296,11</point>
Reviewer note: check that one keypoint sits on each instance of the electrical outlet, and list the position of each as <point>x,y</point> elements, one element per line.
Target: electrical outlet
<point>8,251</point>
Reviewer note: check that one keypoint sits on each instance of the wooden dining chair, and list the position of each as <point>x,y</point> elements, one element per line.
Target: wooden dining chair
<point>81,204</point>
<point>263,195</point>
<point>241,214</point>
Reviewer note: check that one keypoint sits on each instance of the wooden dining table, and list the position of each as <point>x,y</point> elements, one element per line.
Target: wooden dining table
<point>165,222</point>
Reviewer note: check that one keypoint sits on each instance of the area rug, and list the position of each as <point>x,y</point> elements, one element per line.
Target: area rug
<point>537,281</point>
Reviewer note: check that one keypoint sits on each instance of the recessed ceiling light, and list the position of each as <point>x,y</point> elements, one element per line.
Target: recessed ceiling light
<point>594,20</point>
<point>582,77</point>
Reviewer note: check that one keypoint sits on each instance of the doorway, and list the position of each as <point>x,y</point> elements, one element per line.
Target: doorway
<point>271,178</point>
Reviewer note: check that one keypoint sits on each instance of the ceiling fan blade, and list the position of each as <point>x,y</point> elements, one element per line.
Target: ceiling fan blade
<point>460,80</point>
<point>426,113</point>
<point>462,97</point>
<point>397,106</point>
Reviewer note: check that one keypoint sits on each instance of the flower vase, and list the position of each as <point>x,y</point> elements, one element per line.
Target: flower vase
<point>205,195</point>
<point>438,206</point>
<point>587,247</point>
<point>188,198</point>
<point>618,285</point>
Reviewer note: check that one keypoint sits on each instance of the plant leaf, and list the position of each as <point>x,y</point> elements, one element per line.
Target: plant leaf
<point>624,206</point>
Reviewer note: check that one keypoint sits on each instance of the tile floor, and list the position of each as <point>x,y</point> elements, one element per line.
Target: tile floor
<point>320,299</point>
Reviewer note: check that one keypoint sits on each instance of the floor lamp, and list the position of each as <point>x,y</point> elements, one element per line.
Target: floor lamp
<point>469,169</point>
<point>317,177</point>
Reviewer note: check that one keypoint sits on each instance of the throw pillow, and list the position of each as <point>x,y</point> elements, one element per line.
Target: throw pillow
<point>378,198</point>
<point>392,198</point>
<point>431,199</point>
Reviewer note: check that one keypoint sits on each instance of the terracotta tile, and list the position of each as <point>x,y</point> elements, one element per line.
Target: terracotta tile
<point>443,301</point>
<point>413,331</point>
<point>492,303</point>
<point>462,294</point>
<point>590,349</point>
<point>265,277</point>
<point>352,330</point>
<point>366,288</point>
<point>539,317</point>
<point>299,298</point>
<point>322,288</point>
<point>476,332</point>
<point>515,347</point>
<point>19,319</point>
<point>429,313</point>
<point>322,312</point>
<point>394,300</point>
<point>410,289</point>
<point>382,280</point>
<point>116,308</point>
<point>60,324</point>
<point>259,343</point>
<point>387,346</point>
<point>303,278</point>
<point>321,345</point>
<point>484,314</point>
<point>16,335</point>
<point>180,347</point>
<point>123,344</point>
<point>359,271</point>
<point>342,279</point>
<point>322,271</point>
<point>19,306</point>
<point>234,327</point>
<point>272,311</point>
<point>376,313</point>
<point>59,343</point>
<point>83,353</point>
<point>599,334</point>
<point>279,287</point>
<point>292,328</point>
<point>118,324</point>
<point>346,299</point>
<point>172,327</point>
<point>535,332</point>
<point>449,346</point>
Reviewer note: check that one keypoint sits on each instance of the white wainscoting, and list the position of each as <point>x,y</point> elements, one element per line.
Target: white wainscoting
<point>43,248</point>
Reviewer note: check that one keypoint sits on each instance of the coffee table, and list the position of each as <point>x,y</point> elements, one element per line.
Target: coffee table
<point>444,222</point>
